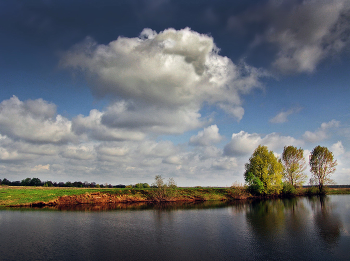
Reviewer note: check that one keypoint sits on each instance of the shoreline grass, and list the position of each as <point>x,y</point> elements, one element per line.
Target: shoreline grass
<point>26,196</point>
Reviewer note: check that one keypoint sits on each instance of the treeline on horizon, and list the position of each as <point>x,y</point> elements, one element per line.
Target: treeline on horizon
<point>36,182</point>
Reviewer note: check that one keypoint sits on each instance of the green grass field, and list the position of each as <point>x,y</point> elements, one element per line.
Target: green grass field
<point>10,196</point>
<point>25,195</point>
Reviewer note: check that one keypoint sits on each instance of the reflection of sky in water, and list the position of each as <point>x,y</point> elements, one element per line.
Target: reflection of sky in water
<point>289,229</point>
<point>342,208</point>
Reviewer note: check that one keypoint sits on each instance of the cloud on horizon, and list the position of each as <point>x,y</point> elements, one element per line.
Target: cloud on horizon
<point>132,160</point>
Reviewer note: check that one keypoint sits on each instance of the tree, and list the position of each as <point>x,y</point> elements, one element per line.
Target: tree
<point>5,181</point>
<point>35,182</point>
<point>264,172</point>
<point>141,185</point>
<point>294,165</point>
<point>26,182</point>
<point>322,165</point>
<point>171,183</point>
<point>159,181</point>
<point>164,191</point>
<point>146,185</point>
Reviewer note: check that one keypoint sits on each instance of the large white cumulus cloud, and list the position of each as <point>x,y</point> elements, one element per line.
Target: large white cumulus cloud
<point>162,78</point>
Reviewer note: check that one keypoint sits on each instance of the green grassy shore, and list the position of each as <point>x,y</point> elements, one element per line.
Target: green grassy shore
<point>30,196</point>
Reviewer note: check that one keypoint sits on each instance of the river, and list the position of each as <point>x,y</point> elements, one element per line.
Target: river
<point>316,228</point>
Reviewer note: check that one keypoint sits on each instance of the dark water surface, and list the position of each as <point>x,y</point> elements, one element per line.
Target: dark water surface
<point>289,229</point>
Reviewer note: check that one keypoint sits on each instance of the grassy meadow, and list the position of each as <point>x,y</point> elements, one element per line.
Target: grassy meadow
<point>21,196</point>
<point>16,195</point>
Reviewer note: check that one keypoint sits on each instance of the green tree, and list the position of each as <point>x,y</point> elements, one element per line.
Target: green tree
<point>264,172</point>
<point>5,181</point>
<point>141,185</point>
<point>294,165</point>
<point>35,182</point>
<point>26,182</point>
<point>164,191</point>
<point>322,166</point>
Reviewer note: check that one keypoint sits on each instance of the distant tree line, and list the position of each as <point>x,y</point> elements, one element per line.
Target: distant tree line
<point>79,184</point>
<point>38,182</point>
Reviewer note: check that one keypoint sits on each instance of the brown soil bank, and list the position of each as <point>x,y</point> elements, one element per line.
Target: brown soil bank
<point>90,198</point>
<point>100,198</point>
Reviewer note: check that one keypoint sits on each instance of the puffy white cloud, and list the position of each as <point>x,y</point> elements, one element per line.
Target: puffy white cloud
<point>22,151</point>
<point>81,152</point>
<point>33,121</point>
<point>283,115</point>
<point>37,149</point>
<point>276,142</point>
<point>175,159</point>
<point>209,152</point>
<point>163,79</point>
<point>208,136</point>
<point>321,133</point>
<point>151,162</point>
<point>225,164</point>
<point>40,168</point>
<point>112,150</point>
<point>92,127</point>
<point>156,149</point>
<point>338,149</point>
<point>315,136</point>
<point>150,118</point>
<point>243,143</point>
<point>305,32</point>
<point>7,154</point>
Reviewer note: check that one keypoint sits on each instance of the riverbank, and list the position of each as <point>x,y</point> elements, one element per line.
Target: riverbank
<point>44,196</point>
<point>36,196</point>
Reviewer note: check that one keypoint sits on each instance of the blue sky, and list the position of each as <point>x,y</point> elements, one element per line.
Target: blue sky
<point>121,91</point>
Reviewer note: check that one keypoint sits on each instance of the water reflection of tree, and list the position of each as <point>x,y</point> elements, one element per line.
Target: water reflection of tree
<point>328,223</point>
<point>296,215</point>
<point>266,217</point>
<point>273,217</point>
